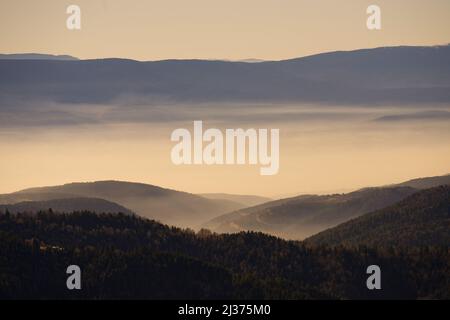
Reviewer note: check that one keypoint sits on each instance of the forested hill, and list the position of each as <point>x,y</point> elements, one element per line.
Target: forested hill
<point>66,205</point>
<point>154,202</point>
<point>419,220</point>
<point>303,216</point>
<point>123,256</point>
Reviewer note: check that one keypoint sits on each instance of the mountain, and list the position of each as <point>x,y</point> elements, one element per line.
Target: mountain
<point>422,219</point>
<point>36,56</point>
<point>242,200</point>
<point>165,205</point>
<point>66,205</point>
<point>400,75</point>
<point>302,216</point>
<point>425,183</point>
<point>128,257</point>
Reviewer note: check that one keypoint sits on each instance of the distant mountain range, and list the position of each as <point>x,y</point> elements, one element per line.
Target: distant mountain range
<point>165,205</point>
<point>292,218</point>
<point>403,75</point>
<point>36,56</point>
<point>422,219</point>
<point>303,216</point>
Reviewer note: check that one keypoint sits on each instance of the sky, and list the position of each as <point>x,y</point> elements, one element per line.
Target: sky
<point>317,156</point>
<point>213,29</point>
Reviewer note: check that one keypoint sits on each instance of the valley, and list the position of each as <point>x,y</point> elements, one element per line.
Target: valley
<point>293,218</point>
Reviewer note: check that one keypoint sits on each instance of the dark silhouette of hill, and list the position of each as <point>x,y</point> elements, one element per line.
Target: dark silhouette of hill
<point>66,205</point>
<point>422,219</point>
<point>165,205</point>
<point>127,257</point>
<point>402,75</point>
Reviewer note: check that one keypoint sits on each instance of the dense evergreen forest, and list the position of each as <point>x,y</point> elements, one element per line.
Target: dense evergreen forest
<point>123,256</point>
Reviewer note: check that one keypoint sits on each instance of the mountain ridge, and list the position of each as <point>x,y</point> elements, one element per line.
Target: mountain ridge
<point>165,205</point>
<point>412,75</point>
<point>302,216</point>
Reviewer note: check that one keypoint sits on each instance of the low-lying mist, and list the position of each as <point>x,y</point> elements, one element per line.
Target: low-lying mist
<point>323,148</point>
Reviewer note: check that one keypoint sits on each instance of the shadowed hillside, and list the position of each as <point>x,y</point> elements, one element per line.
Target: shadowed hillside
<point>422,219</point>
<point>302,216</point>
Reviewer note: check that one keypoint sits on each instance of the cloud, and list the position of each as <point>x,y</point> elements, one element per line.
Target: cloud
<point>422,115</point>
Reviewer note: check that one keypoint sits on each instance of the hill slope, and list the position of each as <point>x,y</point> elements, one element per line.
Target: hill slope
<point>305,215</point>
<point>422,219</point>
<point>299,217</point>
<point>165,205</point>
<point>426,183</point>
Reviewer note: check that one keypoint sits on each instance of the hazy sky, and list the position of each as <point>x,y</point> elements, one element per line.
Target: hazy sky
<point>323,154</point>
<point>225,29</point>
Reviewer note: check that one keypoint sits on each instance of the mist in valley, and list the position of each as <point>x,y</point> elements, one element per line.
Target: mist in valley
<point>323,148</point>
